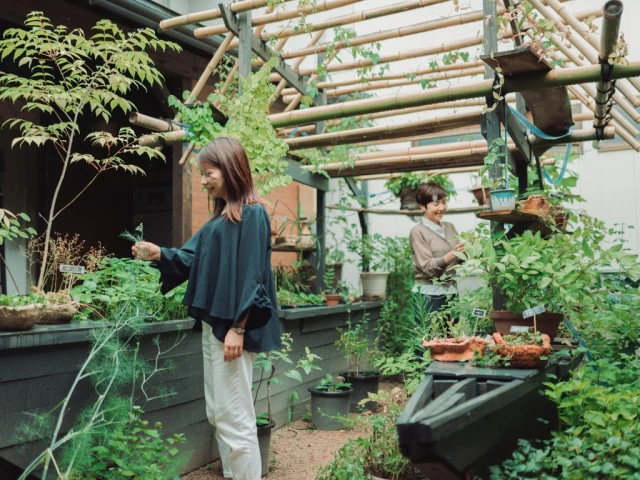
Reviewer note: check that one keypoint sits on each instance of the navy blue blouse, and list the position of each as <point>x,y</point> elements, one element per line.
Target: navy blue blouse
<point>228,266</point>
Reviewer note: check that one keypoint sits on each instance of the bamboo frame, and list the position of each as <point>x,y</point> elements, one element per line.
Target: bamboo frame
<point>467,157</point>
<point>263,20</point>
<point>514,83</point>
<point>456,67</point>
<point>626,97</point>
<point>584,32</point>
<point>441,171</point>
<point>387,131</point>
<point>381,211</point>
<point>365,87</point>
<point>338,21</point>
<point>212,14</point>
<point>421,150</point>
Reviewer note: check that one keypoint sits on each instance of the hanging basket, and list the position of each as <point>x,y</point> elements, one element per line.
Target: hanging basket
<point>21,317</point>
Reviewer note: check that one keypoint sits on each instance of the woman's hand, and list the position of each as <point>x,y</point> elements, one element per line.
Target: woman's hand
<point>451,256</point>
<point>233,343</point>
<point>146,251</point>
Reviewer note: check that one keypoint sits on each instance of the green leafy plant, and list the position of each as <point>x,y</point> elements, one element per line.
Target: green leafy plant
<point>248,122</point>
<point>332,384</point>
<point>63,75</point>
<point>355,344</point>
<point>329,280</point>
<point>495,161</point>
<point>267,363</point>
<point>414,180</point>
<point>285,297</point>
<point>10,229</point>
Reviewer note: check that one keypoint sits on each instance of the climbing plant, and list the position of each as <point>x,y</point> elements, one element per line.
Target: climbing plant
<point>248,122</point>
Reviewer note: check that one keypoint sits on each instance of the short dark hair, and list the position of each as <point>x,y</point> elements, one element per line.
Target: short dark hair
<point>430,192</point>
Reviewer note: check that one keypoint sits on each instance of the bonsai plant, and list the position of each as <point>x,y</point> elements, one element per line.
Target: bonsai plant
<point>405,185</point>
<point>329,402</point>
<point>267,363</point>
<point>354,343</point>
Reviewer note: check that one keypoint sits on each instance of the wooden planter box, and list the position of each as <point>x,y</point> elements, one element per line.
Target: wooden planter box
<point>38,366</point>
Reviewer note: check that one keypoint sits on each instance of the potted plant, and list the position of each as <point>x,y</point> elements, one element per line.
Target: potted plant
<point>559,272</point>
<point>523,350</point>
<point>354,343</point>
<point>373,262</point>
<point>329,402</point>
<point>267,363</point>
<point>405,185</point>
<point>479,189</point>
<point>331,295</point>
<point>502,195</point>
<point>292,230</point>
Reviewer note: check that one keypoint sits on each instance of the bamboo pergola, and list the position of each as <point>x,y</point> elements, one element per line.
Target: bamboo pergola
<point>449,107</point>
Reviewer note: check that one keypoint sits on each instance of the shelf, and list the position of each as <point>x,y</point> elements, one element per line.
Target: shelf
<point>521,221</point>
<point>291,248</point>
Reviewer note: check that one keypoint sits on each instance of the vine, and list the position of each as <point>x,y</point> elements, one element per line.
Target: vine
<point>249,124</point>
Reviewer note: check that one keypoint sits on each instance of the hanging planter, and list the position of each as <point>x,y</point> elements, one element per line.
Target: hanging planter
<point>455,350</point>
<point>502,199</point>
<point>408,199</point>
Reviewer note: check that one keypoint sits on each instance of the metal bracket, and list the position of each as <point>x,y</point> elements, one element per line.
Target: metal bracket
<point>260,48</point>
<point>306,177</point>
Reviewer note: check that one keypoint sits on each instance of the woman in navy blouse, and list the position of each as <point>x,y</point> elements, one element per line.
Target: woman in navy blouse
<point>231,294</point>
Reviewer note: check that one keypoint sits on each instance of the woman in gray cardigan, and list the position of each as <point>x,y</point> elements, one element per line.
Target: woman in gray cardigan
<point>433,246</point>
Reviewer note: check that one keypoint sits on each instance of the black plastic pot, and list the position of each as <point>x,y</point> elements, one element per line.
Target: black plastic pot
<point>362,384</point>
<point>408,198</point>
<point>326,406</point>
<point>264,443</point>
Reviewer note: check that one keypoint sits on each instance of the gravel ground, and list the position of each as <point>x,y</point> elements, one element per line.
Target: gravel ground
<point>297,451</point>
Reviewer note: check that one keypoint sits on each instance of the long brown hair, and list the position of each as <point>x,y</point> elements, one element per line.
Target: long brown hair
<point>229,156</point>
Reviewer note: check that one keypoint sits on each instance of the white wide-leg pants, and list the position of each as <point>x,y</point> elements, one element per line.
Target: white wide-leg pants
<point>227,391</point>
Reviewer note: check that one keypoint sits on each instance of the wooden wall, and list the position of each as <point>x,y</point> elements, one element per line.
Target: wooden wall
<point>38,367</point>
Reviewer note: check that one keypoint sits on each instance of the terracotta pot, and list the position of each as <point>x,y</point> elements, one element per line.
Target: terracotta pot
<point>332,299</point>
<point>481,194</point>
<point>536,204</point>
<point>58,313</point>
<point>561,220</point>
<point>408,198</point>
<point>20,317</point>
<point>523,356</point>
<point>546,322</point>
<point>450,350</point>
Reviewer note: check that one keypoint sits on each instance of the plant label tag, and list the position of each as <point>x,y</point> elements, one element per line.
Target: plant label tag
<point>533,311</point>
<point>78,269</point>
<point>518,329</point>
<point>478,312</point>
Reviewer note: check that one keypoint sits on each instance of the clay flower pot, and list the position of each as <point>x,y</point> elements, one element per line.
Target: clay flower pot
<point>481,195</point>
<point>452,350</point>
<point>536,204</point>
<point>523,356</point>
<point>331,299</point>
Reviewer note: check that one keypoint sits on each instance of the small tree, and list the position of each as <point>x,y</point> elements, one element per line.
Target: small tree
<point>63,75</point>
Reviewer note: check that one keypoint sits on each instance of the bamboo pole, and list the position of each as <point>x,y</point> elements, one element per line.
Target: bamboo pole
<point>394,33</point>
<point>585,33</point>
<point>514,83</point>
<point>407,163</point>
<point>440,171</point>
<point>151,123</point>
<point>365,87</point>
<point>620,123</point>
<point>212,14</point>
<point>460,132</point>
<point>387,131</point>
<point>342,20</point>
<point>263,20</point>
<point>582,135</point>
<point>381,211</point>
<point>422,150</point>
<point>590,56</point>
<point>455,67</point>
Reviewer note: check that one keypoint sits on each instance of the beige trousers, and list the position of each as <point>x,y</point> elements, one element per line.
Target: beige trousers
<point>227,391</point>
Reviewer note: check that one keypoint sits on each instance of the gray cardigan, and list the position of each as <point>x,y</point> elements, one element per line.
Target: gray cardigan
<point>428,250</point>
